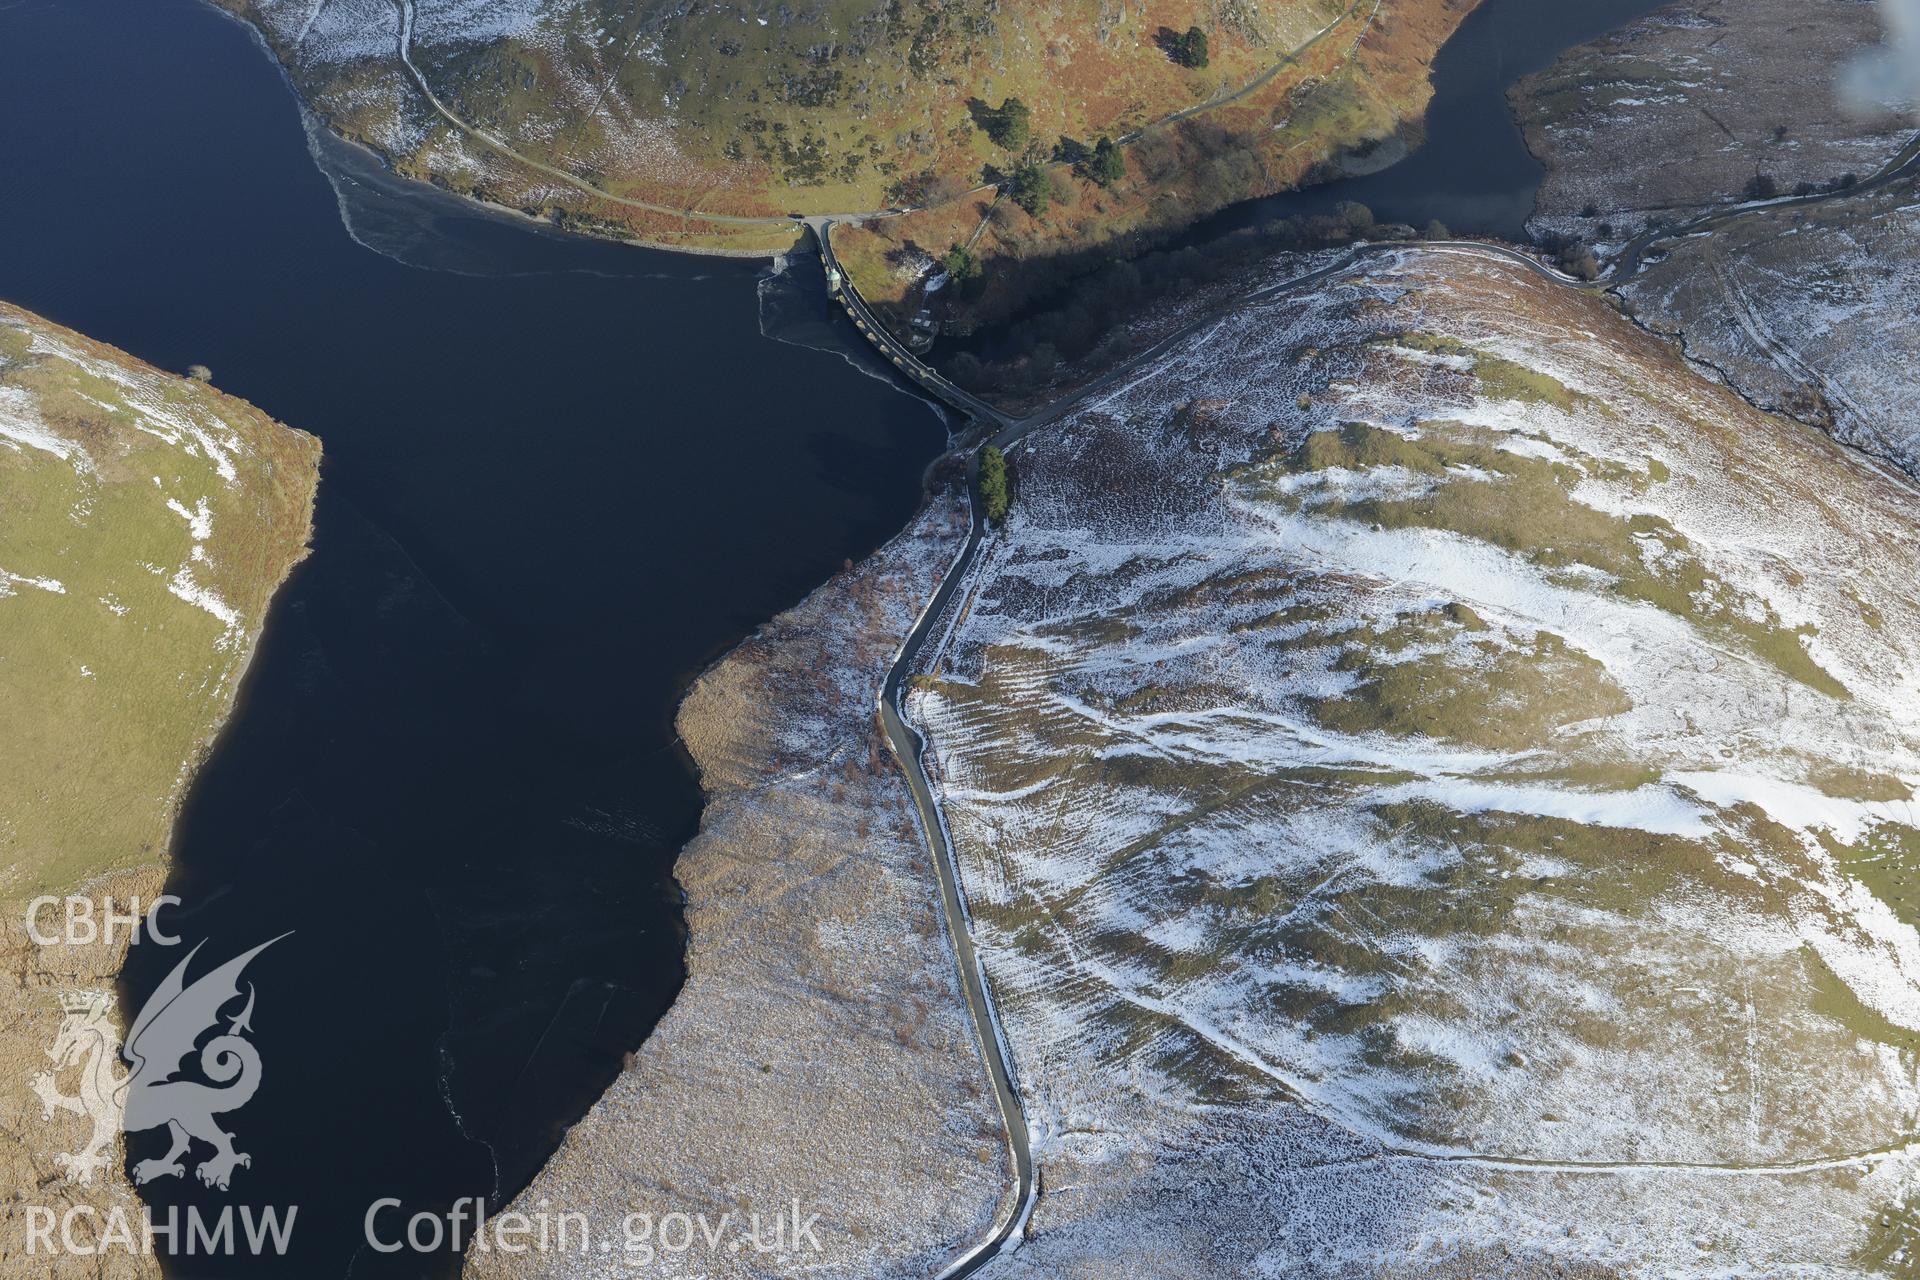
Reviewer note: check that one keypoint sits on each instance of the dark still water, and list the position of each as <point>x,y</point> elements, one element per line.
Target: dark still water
<point>1474,172</point>
<point>561,477</point>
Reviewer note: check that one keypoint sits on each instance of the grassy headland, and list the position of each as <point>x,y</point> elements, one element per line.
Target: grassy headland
<point>149,519</point>
<point>703,129</point>
<point>1361,87</point>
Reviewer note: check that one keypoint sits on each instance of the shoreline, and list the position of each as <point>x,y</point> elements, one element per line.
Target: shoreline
<point>1402,135</point>
<point>819,1046</point>
<point>313,117</point>
<point>112,839</point>
<point>513,213</point>
<point>210,742</point>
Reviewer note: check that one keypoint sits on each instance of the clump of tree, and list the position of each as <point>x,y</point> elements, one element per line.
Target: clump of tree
<point>1010,125</point>
<point>1845,182</point>
<point>1030,188</point>
<point>961,263</point>
<point>1762,187</point>
<point>1104,165</point>
<point>993,483</point>
<point>1574,255</point>
<point>804,164</point>
<point>924,189</point>
<point>1578,261</point>
<point>1189,48</point>
<point>968,370</point>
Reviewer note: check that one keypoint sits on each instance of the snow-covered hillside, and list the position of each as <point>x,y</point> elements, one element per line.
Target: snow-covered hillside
<point>1810,311</point>
<point>1807,309</point>
<point>1685,108</point>
<point>1433,777</point>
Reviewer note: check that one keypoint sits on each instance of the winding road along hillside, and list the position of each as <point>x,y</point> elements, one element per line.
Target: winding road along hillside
<point>1004,430</point>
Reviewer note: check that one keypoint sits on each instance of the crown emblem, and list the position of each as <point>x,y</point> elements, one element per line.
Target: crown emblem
<point>86,1001</point>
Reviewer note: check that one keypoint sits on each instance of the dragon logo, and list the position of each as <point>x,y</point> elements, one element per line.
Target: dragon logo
<point>160,1040</point>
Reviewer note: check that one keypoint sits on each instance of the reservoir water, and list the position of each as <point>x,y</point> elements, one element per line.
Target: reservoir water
<point>1473,172</point>
<point>561,477</point>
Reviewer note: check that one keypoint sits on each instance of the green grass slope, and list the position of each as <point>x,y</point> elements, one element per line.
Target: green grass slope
<point>145,521</point>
